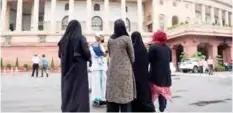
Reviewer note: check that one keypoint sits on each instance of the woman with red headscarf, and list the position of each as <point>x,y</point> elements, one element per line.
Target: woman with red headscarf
<point>160,75</point>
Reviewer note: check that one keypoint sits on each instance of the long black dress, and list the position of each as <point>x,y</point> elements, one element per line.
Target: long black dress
<point>143,103</point>
<point>74,55</point>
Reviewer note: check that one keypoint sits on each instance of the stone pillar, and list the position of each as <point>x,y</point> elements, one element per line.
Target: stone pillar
<point>19,15</point>
<point>106,16</point>
<point>193,12</point>
<point>88,22</point>
<point>214,54</point>
<point>203,13</point>
<point>226,18</point>
<point>140,16</point>
<point>123,11</point>
<point>220,16</point>
<point>53,16</point>
<point>35,18</point>
<point>71,9</point>
<point>154,16</point>
<point>3,16</point>
<point>212,15</point>
<point>174,59</point>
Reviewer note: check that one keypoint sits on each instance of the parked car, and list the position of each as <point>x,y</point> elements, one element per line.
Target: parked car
<point>189,64</point>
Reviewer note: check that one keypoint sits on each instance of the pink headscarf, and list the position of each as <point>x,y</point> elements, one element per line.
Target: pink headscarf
<point>160,38</point>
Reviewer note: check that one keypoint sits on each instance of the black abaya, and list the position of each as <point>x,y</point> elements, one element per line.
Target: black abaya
<point>143,103</point>
<point>74,55</point>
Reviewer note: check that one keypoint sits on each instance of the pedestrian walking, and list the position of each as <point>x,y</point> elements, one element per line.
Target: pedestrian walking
<point>201,63</point>
<point>143,102</point>
<point>160,74</point>
<point>98,73</point>
<point>210,65</point>
<point>35,65</point>
<point>74,54</point>
<point>44,66</point>
<point>121,87</point>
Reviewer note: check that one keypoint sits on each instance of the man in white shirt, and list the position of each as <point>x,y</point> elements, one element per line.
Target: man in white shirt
<point>210,65</point>
<point>35,65</point>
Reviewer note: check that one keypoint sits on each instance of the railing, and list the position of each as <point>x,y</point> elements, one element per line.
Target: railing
<point>199,29</point>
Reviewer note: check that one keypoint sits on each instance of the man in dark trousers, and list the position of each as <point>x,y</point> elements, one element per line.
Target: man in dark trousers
<point>35,65</point>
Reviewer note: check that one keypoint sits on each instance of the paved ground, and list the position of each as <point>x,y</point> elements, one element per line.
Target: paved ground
<point>191,93</point>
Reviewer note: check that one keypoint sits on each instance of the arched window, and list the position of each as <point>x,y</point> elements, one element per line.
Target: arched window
<point>127,24</point>
<point>66,6</point>
<point>97,24</point>
<point>96,7</point>
<point>162,22</point>
<point>175,20</point>
<point>64,22</point>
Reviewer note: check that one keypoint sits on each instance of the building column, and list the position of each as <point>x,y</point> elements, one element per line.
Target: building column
<point>53,16</point>
<point>154,16</point>
<point>140,16</point>
<point>71,10</point>
<point>193,12</point>
<point>220,16</point>
<point>123,11</point>
<point>35,18</point>
<point>226,18</point>
<point>106,15</point>
<point>19,15</point>
<point>3,16</point>
<point>214,54</point>
<point>212,15</point>
<point>203,13</point>
<point>88,22</point>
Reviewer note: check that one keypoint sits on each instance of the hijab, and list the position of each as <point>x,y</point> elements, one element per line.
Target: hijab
<point>160,38</point>
<point>138,44</point>
<point>119,29</point>
<point>72,34</point>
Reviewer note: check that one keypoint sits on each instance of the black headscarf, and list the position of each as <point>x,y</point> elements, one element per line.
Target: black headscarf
<point>138,44</point>
<point>73,33</point>
<point>119,29</point>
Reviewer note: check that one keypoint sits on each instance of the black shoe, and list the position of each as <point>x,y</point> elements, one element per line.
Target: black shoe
<point>96,104</point>
<point>103,102</point>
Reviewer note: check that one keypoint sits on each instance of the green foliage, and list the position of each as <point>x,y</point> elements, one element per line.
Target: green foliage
<point>2,66</point>
<point>25,66</point>
<point>183,56</point>
<point>52,64</point>
<point>182,23</point>
<point>219,60</point>
<point>8,65</point>
<point>17,62</point>
<point>220,68</point>
<point>198,55</point>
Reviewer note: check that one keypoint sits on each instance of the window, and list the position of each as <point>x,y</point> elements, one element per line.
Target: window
<point>66,6</point>
<point>174,20</point>
<point>42,39</point>
<point>97,24</point>
<point>127,24</point>
<point>161,22</point>
<point>126,9</point>
<point>41,27</point>
<point>174,3</point>
<point>96,7</point>
<point>161,2</point>
<point>8,40</point>
<point>64,22</point>
<point>186,5</point>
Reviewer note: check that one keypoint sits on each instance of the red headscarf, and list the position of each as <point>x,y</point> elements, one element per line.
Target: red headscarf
<point>160,38</point>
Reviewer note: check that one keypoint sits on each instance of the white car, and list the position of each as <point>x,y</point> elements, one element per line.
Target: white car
<point>189,64</point>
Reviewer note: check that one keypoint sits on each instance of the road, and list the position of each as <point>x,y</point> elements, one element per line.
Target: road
<point>20,92</point>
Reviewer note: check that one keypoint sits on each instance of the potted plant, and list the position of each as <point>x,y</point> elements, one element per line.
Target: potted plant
<point>52,65</point>
<point>8,67</point>
<point>25,66</point>
<point>220,67</point>
<point>16,64</point>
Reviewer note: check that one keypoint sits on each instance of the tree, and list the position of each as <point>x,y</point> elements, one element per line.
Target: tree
<point>52,64</point>
<point>183,55</point>
<point>2,66</point>
<point>17,63</point>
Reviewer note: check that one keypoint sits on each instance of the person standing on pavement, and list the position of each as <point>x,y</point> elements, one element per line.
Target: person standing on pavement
<point>160,57</point>
<point>35,65</point>
<point>201,63</point>
<point>74,54</point>
<point>121,87</point>
<point>143,102</point>
<point>97,72</point>
<point>210,65</point>
<point>44,66</point>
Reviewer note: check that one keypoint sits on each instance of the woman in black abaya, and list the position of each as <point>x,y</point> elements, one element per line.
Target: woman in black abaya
<point>74,54</point>
<point>143,103</point>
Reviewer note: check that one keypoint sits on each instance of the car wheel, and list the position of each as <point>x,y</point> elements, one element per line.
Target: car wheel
<point>195,69</point>
<point>184,71</point>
